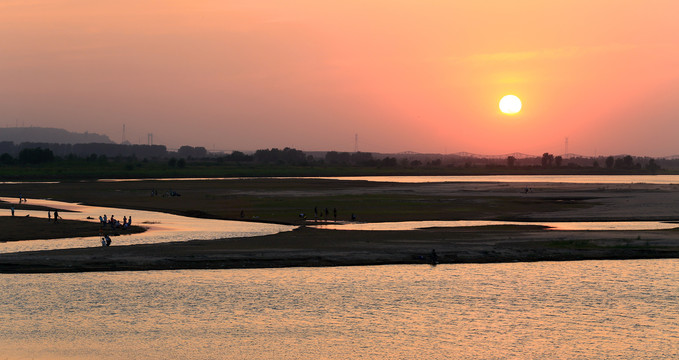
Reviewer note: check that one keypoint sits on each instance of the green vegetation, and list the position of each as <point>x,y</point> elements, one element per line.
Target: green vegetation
<point>283,200</point>
<point>41,164</point>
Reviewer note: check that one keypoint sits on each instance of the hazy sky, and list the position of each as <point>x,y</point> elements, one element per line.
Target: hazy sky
<point>417,75</point>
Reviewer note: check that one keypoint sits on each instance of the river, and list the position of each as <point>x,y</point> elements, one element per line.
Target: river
<point>571,179</point>
<point>546,310</point>
<point>161,227</point>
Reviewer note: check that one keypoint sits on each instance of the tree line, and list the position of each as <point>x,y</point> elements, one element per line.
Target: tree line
<point>35,153</point>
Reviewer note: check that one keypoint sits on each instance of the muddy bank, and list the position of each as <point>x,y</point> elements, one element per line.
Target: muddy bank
<point>315,247</point>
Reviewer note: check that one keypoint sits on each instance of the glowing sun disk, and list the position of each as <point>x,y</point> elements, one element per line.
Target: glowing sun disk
<point>510,104</point>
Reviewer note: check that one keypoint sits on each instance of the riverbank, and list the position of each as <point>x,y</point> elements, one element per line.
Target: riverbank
<point>284,200</point>
<point>318,247</point>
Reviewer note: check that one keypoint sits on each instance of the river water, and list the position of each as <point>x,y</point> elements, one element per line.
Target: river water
<point>161,227</point>
<point>547,310</point>
<point>572,179</point>
<point>564,225</point>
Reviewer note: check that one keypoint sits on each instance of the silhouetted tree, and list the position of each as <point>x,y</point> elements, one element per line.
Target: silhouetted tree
<point>610,161</point>
<point>362,158</point>
<point>239,156</point>
<point>558,160</point>
<point>35,156</point>
<point>510,161</point>
<point>628,162</point>
<point>285,156</point>
<point>192,152</point>
<point>334,157</point>
<point>6,159</point>
<point>345,158</point>
<point>547,159</point>
<point>652,166</point>
<point>389,161</point>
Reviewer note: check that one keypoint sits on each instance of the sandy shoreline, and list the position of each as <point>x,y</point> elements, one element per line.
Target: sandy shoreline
<point>283,200</point>
<point>314,247</point>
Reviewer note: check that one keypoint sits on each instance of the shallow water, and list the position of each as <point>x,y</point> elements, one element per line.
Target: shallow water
<point>161,227</point>
<point>546,310</point>
<point>572,179</point>
<point>164,227</point>
<point>574,225</point>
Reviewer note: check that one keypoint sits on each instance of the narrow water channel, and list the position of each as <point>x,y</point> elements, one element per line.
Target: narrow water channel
<point>161,227</point>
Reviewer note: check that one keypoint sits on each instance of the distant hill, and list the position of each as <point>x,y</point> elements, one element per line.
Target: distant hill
<point>20,135</point>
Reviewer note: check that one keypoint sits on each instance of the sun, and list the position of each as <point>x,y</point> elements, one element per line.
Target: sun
<point>510,104</point>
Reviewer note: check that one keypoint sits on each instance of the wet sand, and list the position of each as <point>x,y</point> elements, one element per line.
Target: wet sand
<point>318,247</point>
<point>315,247</point>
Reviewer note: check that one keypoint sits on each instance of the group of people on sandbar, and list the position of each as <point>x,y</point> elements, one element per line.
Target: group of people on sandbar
<point>115,223</point>
<point>318,215</point>
<point>324,215</point>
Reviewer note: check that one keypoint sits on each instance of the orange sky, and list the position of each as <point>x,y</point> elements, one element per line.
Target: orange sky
<point>422,75</point>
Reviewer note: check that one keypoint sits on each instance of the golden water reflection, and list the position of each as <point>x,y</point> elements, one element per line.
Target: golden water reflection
<point>571,179</point>
<point>565,225</point>
<point>546,310</point>
<point>161,227</point>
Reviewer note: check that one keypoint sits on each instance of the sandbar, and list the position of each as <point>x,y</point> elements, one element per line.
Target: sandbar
<point>278,200</point>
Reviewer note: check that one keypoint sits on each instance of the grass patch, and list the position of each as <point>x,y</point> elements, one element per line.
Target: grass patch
<point>573,244</point>
<point>283,200</point>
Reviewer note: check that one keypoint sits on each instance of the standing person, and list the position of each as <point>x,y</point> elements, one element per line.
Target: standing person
<point>49,215</point>
<point>12,208</point>
<point>434,258</point>
<point>56,216</point>
<point>334,213</point>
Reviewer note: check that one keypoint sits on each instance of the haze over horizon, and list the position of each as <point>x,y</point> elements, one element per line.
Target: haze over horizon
<point>423,76</point>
